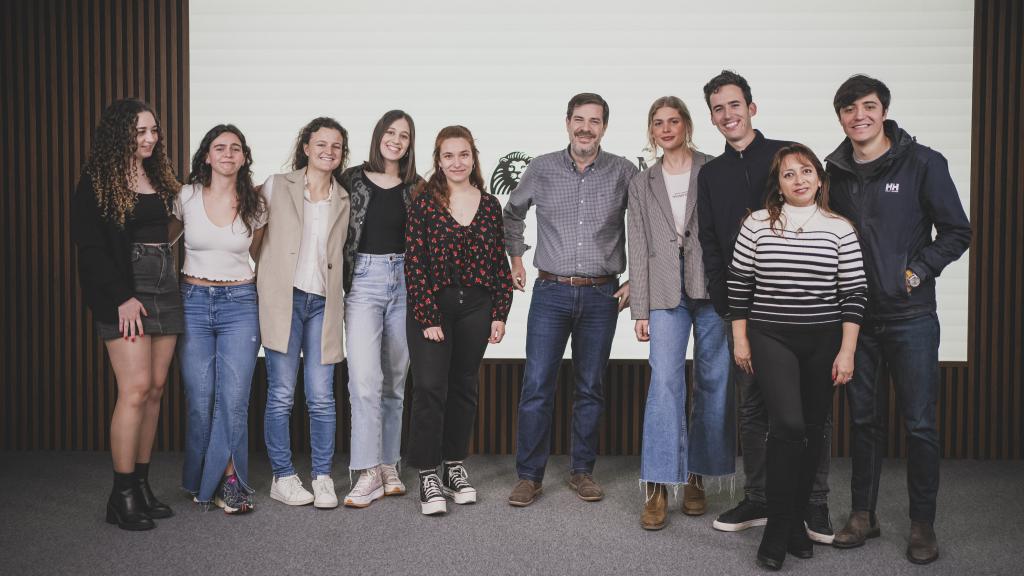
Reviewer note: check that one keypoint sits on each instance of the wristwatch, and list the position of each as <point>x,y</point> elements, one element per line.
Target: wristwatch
<point>913,280</point>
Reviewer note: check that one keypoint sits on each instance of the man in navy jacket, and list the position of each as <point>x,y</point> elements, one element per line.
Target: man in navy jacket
<point>728,188</point>
<point>895,191</point>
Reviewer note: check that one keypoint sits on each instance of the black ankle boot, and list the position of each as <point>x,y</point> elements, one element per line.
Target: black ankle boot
<point>782,461</point>
<point>124,507</point>
<point>800,544</point>
<point>153,507</point>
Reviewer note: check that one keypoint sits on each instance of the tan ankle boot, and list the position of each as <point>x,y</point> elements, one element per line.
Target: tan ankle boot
<point>655,507</point>
<point>923,547</point>
<point>694,500</point>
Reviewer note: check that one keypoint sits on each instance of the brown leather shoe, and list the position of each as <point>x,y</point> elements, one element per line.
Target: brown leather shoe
<point>694,500</point>
<point>586,488</point>
<point>923,547</point>
<point>861,526</point>
<point>655,507</point>
<point>524,492</point>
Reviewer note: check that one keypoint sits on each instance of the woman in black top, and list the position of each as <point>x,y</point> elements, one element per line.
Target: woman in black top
<point>119,223</point>
<point>460,291</point>
<point>374,272</point>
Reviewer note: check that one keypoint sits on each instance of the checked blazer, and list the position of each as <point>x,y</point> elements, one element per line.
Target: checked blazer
<point>653,243</point>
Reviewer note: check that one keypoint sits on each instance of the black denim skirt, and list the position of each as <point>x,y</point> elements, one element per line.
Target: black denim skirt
<point>156,287</point>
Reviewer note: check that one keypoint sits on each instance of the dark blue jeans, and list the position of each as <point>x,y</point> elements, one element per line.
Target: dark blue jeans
<point>910,350</point>
<point>557,311</point>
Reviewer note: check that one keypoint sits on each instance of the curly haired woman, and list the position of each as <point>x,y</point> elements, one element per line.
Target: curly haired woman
<point>119,222</point>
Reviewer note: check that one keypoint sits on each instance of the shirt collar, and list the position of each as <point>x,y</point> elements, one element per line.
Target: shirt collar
<point>754,144</point>
<point>571,164</point>
<point>305,189</point>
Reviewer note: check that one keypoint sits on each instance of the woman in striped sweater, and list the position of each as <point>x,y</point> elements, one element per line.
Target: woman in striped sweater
<point>796,295</point>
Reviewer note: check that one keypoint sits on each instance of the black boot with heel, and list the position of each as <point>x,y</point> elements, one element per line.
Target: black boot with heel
<point>125,507</point>
<point>783,464</point>
<point>153,507</point>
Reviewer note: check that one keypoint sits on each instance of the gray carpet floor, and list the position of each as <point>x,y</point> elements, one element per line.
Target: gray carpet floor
<point>52,510</point>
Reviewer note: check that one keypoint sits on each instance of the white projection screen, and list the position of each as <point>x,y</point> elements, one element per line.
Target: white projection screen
<point>507,69</point>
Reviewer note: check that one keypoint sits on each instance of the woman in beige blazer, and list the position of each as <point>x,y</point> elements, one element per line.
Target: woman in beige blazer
<point>299,282</point>
<point>669,298</point>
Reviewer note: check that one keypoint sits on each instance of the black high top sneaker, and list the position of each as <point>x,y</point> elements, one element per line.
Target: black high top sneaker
<point>431,497</point>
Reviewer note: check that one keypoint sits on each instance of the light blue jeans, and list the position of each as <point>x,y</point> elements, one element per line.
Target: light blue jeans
<point>318,382</point>
<point>217,353</point>
<point>672,448</point>
<point>378,358</point>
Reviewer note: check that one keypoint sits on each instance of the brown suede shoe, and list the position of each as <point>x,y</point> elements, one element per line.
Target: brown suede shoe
<point>655,507</point>
<point>524,492</point>
<point>923,547</point>
<point>861,526</point>
<point>586,488</point>
<point>694,500</point>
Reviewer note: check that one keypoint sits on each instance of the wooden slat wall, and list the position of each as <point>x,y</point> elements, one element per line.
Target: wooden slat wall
<point>63,61</point>
<point>995,404</point>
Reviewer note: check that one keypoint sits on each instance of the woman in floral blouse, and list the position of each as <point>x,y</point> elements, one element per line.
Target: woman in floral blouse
<point>459,291</point>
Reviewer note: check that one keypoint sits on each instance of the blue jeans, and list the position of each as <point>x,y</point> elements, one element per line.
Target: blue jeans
<point>378,358</point>
<point>667,456</point>
<point>217,354</point>
<point>588,314</point>
<point>318,381</point>
<point>910,350</point>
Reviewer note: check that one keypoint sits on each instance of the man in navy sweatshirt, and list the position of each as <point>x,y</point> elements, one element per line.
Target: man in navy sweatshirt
<point>728,187</point>
<point>895,191</point>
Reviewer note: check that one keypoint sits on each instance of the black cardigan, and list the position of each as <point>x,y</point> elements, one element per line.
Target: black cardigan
<point>104,255</point>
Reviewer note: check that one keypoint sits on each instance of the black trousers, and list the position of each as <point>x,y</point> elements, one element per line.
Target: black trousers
<point>446,377</point>
<point>794,371</point>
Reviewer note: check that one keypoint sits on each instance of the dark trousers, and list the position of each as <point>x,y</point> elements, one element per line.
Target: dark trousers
<point>446,377</point>
<point>753,427</point>
<point>910,350</point>
<point>794,373</point>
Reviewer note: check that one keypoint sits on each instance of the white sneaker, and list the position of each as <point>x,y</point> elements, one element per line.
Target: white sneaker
<point>368,488</point>
<point>323,488</point>
<point>392,482</point>
<point>290,491</point>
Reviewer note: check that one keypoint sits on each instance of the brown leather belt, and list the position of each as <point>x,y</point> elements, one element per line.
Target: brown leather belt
<point>576,280</point>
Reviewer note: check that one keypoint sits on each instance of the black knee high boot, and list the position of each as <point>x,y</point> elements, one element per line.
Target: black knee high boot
<point>800,544</point>
<point>782,461</point>
<point>125,507</point>
<point>153,507</point>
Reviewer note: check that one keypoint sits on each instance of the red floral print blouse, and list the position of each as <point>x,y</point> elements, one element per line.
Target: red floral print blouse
<point>440,252</point>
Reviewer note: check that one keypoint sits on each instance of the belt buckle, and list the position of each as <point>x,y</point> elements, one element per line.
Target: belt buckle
<point>572,280</point>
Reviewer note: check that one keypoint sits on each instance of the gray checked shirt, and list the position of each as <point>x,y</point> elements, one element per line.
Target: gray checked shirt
<point>580,228</point>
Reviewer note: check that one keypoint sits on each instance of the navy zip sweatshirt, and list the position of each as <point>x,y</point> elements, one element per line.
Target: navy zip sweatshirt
<point>728,188</point>
<point>894,208</point>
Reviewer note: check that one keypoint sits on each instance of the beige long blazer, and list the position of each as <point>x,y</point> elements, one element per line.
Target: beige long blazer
<point>653,247</point>
<point>279,256</point>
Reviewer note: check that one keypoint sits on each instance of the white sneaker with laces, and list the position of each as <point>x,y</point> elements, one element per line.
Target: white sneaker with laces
<point>289,490</point>
<point>368,488</point>
<point>392,482</point>
<point>323,489</point>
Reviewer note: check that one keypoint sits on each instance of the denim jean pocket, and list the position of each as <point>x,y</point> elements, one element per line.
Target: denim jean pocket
<point>244,294</point>
<point>607,290</point>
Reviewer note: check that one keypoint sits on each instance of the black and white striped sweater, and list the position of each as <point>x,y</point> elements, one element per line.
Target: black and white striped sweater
<point>809,273</point>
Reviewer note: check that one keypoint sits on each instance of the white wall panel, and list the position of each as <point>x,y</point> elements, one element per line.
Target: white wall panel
<point>507,70</point>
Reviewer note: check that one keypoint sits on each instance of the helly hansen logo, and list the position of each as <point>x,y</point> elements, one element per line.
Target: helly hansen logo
<point>892,187</point>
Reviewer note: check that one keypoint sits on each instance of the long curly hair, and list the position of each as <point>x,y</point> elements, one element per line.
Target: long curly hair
<point>299,158</point>
<point>774,200</point>
<point>251,205</point>
<point>407,163</point>
<point>111,163</point>
<point>437,184</point>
